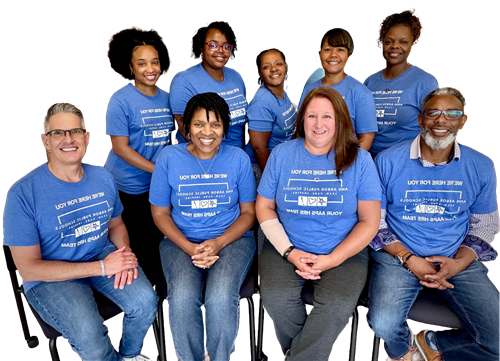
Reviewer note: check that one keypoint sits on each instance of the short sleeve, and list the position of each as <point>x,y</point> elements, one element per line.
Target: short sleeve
<point>180,93</point>
<point>160,190</point>
<point>269,181</point>
<point>486,201</point>
<point>365,116</point>
<point>117,118</point>
<point>369,185</point>
<point>246,182</point>
<point>261,117</point>
<point>19,224</point>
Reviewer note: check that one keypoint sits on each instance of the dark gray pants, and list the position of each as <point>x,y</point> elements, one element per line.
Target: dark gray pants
<point>310,337</point>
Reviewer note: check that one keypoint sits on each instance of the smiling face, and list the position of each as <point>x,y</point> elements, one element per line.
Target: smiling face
<point>70,149</point>
<point>319,126</point>
<point>206,134</point>
<point>333,58</point>
<point>272,69</point>
<point>397,44</point>
<point>145,65</point>
<point>441,132</point>
<point>215,59</point>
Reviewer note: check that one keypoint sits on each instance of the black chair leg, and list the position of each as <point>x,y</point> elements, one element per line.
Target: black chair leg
<point>260,354</point>
<point>354,335</point>
<point>251,313</point>
<point>376,346</point>
<point>159,330</point>
<point>53,349</point>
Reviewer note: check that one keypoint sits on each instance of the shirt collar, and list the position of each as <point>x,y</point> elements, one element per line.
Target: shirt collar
<point>416,153</point>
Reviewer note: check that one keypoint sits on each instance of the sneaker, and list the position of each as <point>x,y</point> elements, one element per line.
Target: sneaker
<point>137,358</point>
<point>428,353</point>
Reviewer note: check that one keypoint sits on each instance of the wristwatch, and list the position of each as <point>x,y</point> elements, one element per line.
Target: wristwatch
<point>400,256</point>
<point>288,251</point>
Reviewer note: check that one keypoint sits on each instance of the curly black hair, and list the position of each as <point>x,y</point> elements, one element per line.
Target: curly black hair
<point>201,34</point>
<point>124,43</point>
<point>211,102</point>
<point>405,18</point>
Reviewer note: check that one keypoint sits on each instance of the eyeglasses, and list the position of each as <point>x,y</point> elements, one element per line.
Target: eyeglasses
<point>227,48</point>
<point>60,133</point>
<point>433,114</point>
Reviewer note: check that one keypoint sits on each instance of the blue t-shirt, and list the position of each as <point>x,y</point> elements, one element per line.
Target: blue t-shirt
<point>268,113</point>
<point>359,101</point>
<point>203,204</point>
<point>68,220</point>
<point>148,124</point>
<point>398,104</point>
<point>315,76</point>
<point>429,208</point>
<point>196,80</point>
<point>317,209</point>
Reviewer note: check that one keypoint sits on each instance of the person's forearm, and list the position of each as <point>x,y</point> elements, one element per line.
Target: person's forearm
<point>236,230</point>
<point>133,158</point>
<point>123,150</point>
<point>262,155</point>
<point>366,140</point>
<point>55,271</point>
<point>465,256</point>
<point>359,237</point>
<point>394,248</point>
<point>118,235</point>
<point>167,226</point>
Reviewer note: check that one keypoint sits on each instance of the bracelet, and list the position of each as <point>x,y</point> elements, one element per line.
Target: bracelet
<point>288,251</point>
<point>407,258</point>
<point>102,268</point>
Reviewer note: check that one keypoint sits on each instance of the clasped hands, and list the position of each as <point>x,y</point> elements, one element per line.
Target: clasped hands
<point>205,254</point>
<point>309,266</point>
<point>122,264</point>
<point>432,276</point>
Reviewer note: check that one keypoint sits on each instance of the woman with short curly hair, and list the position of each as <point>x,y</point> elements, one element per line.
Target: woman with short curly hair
<point>399,88</point>
<point>215,44</point>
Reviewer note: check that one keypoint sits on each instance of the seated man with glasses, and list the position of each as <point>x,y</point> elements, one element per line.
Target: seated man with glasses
<point>63,226</point>
<point>439,216</point>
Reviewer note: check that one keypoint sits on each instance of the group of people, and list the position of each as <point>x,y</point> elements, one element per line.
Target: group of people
<point>355,165</point>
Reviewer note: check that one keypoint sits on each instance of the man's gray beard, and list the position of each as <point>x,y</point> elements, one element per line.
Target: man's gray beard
<point>436,144</point>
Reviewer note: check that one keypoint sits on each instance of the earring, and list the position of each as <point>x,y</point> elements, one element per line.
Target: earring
<point>189,136</point>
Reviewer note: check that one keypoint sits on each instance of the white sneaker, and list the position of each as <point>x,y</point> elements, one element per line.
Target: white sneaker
<point>137,358</point>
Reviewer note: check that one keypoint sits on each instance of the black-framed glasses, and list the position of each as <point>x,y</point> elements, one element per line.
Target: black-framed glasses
<point>433,114</point>
<point>61,133</point>
<point>212,45</point>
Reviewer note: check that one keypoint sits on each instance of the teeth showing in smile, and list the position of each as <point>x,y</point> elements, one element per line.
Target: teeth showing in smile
<point>333,62</point>
<point>394,55</point>
<point>150,77</point>
<point>319,133</point>
<point>439,130</point>
<point>206,141</point>
<point>68,149</point>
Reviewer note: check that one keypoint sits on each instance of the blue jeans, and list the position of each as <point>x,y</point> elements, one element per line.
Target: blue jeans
<point>185,297</point>
<point>70,308</point>
<point>474,299</point>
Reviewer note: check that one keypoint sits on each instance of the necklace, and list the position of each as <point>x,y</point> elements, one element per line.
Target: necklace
<point>213,160</point>
<point>393,79</point>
